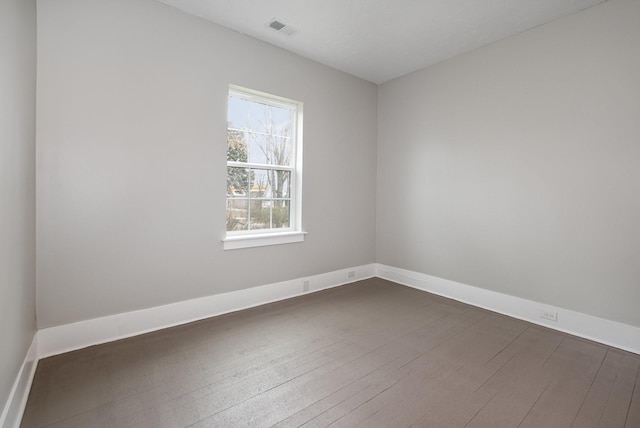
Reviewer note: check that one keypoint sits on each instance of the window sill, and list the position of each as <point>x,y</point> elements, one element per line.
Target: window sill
<point>249,241</point>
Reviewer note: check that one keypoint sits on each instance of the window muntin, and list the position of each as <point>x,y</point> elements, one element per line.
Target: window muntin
<point>263,169</point>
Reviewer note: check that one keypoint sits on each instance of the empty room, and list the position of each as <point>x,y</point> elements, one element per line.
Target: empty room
<point>415,213</point>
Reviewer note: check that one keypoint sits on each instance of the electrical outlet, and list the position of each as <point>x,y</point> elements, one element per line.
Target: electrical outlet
<point>549,315</point>
<point>305,285</point>
<point>351,274</point>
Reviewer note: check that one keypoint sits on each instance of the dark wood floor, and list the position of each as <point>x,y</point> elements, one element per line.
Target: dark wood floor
<point>371,354</point>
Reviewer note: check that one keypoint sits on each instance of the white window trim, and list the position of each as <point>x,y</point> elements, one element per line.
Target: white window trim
<point>235,242</point>
<point>294,233</point>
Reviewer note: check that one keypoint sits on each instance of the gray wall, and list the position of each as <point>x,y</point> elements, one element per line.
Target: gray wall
<point>132,150</point>
<point>17,186</point>
<point>516,167</point>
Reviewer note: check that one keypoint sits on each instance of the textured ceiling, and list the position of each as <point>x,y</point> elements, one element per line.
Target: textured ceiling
<point>379,40</point>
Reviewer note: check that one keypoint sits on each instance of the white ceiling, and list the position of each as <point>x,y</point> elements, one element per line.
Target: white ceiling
<point>379,40</point>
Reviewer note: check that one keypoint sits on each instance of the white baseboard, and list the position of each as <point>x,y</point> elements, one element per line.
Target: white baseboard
<point>60,339</point>
<point>612,333</point>
<point>69,337</point>
<point>17,401</point>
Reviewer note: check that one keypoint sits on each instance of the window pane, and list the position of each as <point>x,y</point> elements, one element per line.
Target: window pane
<point>281,120</point>
<point>260,214</point>
<point>238,180</point>
<point>238,113</point>
<point>257,148</point>
<point>280,182</point>
<point>258,116</point>
<point>237,214</point>
<point>278,150</point>
<point>260,184</point>
<point>269,149</point>
<point>237,149</point>
<point>281,213</point>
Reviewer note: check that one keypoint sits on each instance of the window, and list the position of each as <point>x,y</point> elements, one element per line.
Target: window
<point>264,159</point>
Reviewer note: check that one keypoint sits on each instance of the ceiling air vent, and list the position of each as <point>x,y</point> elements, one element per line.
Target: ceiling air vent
<point>280,27</point>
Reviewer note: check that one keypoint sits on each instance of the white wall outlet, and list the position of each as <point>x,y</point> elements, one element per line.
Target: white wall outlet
<point>351,274</point>
<point>305,285</point>
<point>549,315</point>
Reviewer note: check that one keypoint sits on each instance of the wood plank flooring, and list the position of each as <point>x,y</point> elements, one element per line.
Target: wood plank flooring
<point>370,354</point>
